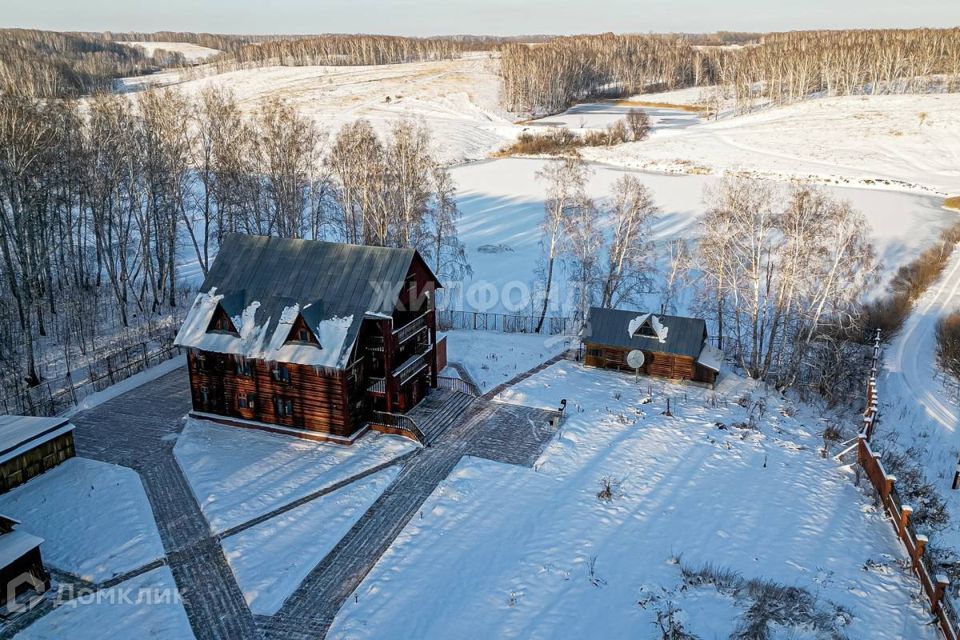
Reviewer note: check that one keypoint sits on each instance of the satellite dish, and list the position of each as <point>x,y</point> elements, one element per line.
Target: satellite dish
<point>635,359</point>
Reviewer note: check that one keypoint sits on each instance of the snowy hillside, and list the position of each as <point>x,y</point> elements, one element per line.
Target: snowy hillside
<point>192,52</point>
<point>458,99</point>
<point>902,141</point>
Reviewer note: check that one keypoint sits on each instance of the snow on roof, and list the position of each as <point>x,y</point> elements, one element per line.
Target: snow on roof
<point>15,545</point>
<point>636,323</point>
<point>255,339</point>
<point>711,358</point>
<point>264,284</point>
<point>19,434</point>
<point>655,324</point>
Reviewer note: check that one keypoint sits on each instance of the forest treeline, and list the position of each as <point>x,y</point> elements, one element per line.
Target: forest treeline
<point>782,67</point>
<point>52,64</point>
<point>97,203</point>
<point>345,50</point>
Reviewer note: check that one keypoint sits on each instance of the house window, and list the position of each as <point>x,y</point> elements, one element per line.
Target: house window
<point>201,362</point>
<point>204,395</point>
<point>244,369</point>
<point>246,401</point>
<point>283,406</point>
<point>647,332</point>
<point>221,323</point>
<point>303,335</point>
<point>595,353</point>
<point>281,374</point>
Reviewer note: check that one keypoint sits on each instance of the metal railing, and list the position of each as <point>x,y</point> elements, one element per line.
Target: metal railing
<point>398,421</point>
<point>457,384</point>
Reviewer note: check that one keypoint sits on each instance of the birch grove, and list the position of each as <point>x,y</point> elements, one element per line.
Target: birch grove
<point>788,280</point>
<point>102,206</point>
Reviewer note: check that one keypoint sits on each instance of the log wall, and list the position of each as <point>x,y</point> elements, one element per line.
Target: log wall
<point>32,463</point>
<point>666,365</point>
<point>320,399</point>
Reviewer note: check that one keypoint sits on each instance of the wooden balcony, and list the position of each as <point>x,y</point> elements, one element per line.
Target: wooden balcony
<point>411,329</point>
<point>413,365</point>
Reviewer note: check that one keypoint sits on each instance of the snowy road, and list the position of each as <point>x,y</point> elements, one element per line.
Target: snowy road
<point>911,359</point>
<point>918,414</point>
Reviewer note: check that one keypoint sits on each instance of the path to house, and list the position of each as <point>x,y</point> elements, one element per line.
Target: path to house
<point>138,430</point>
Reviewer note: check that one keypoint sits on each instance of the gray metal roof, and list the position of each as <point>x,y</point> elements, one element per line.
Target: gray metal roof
<point>327,279</point>
<point>609,327</point>
<point>17,431</point>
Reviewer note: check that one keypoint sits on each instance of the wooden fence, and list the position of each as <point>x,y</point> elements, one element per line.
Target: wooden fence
<point>933,585</point>
<point>55,396</point>
<point>448,319</point>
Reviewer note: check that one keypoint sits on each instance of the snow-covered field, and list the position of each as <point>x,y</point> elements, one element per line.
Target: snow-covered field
<point>192,52</point>
<point>95,518</point>
<point>502,204</point>
<point>907,142</point>
<point>146,606</point>
<point>457,99</point>
<point>492,358</point>
<point>239,474</point>
<point>271,559</point>
<point>536,552</point>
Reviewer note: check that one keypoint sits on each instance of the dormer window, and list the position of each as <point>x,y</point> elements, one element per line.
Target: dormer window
<point>646,331</point>
<point>300,333</point>
<point>221,322</point>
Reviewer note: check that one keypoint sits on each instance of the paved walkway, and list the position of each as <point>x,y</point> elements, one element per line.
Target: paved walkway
<point>507,433</point>
<point>138,430</point>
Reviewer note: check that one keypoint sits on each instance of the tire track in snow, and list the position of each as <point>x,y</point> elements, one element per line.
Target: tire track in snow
<point>913,363</point>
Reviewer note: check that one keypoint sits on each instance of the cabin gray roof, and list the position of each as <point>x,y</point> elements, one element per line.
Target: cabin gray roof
<point>21,433</point>
<point>267,277</point>
<point>610,327</point>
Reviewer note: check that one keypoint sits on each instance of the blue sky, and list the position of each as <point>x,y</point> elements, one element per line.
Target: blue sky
<point>501,17</point>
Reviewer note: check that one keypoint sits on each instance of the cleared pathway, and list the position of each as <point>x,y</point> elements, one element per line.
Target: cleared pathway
<point>138,430</point>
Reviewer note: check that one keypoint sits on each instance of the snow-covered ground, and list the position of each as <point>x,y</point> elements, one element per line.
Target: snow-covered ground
<point>492,358</point>
<point>192,52</point>
<point>238,474</point>
<point>502,205</point>
<point>271,559</point>
<point>536,552</point>
<point>146,606</point>
<point>909,142</point>
<point>457,99</point>
<point>918,413</point>
<point>95,518</point>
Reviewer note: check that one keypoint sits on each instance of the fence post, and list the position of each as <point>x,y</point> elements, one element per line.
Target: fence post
<point>905,512</point>
<point>918,550</point>
<point>888,482</point>
<point>940,588</point>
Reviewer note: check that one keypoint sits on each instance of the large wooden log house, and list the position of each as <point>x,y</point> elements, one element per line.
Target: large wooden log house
<point>673,346</point>
<point>315,338</point>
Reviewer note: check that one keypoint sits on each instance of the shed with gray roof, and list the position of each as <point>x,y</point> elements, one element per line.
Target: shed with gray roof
<point>673,346</point>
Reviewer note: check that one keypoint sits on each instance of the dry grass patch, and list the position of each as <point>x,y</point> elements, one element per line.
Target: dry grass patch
<point>909,283</point>
<point>691,108</point>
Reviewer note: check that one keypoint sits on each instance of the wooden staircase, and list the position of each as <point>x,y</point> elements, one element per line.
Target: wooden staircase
<point>439,411</point>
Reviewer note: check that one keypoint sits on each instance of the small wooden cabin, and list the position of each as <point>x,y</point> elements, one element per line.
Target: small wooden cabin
<point>673,346</point>
<point>21,566</point>
<point>311,338</point>
<point>31,445</point>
